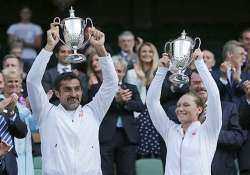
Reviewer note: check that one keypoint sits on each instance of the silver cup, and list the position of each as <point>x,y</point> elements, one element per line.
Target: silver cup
<point>74,35</point>
<point>180,51</point>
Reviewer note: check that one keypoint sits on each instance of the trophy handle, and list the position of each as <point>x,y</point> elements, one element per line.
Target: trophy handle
<point>57,21</point>
<point>199,42</point>
<point>167,44</point>
<point>91,25</point>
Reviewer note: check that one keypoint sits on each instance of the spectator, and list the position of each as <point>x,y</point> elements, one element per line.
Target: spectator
<point>29,34</point>
<point>126,42</point>
<point>245,40</point>
<point>244,110</point>
<point>118,132</point>
<point>62,66</point>
<point>17,129</point>
<point>23,146</point>
<point>1,83</point>
<point>209,59</point>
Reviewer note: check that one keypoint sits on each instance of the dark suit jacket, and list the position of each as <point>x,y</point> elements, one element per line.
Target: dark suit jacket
<point>230,139</point>
<point>244,155</point>
<point>232,93</point>
<point>18,129</point>
<point>125,111</point>
<point>50,76</point>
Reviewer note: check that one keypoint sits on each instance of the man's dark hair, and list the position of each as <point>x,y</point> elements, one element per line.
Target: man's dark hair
<point>63,77</point>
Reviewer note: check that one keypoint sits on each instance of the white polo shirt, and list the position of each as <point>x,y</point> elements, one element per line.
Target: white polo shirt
<point>192,153</point>
<point>69,140</point>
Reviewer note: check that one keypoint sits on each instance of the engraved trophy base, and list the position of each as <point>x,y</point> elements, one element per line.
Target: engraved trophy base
<point>178,79</point>
<point>76,58</point>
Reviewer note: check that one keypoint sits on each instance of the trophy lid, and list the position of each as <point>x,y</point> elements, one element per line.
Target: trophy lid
<point>185,37</point>
<point>71,12</point>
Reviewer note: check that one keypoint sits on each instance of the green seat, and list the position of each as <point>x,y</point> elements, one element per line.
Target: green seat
<point>37,165</point>
<point>149,167</point>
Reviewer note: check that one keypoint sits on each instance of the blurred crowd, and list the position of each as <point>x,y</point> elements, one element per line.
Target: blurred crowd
<point>127,134</point>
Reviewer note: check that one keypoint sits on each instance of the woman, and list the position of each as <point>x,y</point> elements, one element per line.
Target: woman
<point>94,69</point>
<point>13,81</point>
<point>191,145</point>
<point>141,76</point>
<point>143,72</point>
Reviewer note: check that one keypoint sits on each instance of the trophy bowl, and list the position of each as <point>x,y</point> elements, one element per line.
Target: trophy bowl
<point>74,35</point>
<point>180,52</point>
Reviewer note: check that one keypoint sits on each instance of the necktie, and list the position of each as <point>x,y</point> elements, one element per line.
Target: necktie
<point>204,114</point>
<point>65,69</point>
<point>4,133</point>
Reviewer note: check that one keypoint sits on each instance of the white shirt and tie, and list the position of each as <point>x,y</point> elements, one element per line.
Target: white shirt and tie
<point>69,139</point>
<point>190,153</point>
<point>62,68</point>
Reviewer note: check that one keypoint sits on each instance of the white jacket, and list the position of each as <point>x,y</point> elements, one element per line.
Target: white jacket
<point>69,140</point>
<point>192,153</point>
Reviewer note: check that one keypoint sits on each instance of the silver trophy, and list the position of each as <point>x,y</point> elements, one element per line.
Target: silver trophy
<point>180,51</point>
<point>74,35</point>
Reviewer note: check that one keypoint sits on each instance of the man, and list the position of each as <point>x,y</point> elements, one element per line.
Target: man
<point>17,128</point>
<point>230,76</point>
<point>245,40</point>
<point>126,42</point>
<point>209,59</point>
<point>29,34</point>
<point>244,110</point>
<point>69,131</point>
<point>231,135</point>
<point>118,133</point>
<point>62,66</point>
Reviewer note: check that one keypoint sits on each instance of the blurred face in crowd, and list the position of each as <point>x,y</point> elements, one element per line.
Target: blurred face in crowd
<point>25,14</point>
<point>126,43</point>
<point>1,83</point>
<point>187,110</point>
<point>209,59</point>
<point>12,62</point>
<point>95,64</point>
<point>146,54</point>
<point>13,84</point>
<point>62,54</point>
<point>17,51</point>
<point>121,71</point>
<point>245,39</point>
<point>197,86</point>
<point>70,94</point>
<point>237,56</point>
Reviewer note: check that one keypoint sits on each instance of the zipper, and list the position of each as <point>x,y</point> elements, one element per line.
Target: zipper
<point>181,154</point>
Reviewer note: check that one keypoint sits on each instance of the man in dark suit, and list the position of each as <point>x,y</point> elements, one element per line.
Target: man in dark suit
<point>244,110</point>
<point>231,136</point>
<point>17,128</point>
<point>118,134</point>
<point>62,51</point>
<point>229,77</point>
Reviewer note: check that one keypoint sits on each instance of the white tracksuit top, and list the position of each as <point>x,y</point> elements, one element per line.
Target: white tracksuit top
<point>192,153</point>
<point>69,140</point>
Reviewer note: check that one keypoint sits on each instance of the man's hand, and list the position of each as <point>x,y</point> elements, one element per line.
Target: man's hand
<point>223,68</point>
<point>4,148</point>
<point>9,103</point>
<point>52,37</point>
<point>97,40</point>
<point>123,95</point>
<point>164,60</point>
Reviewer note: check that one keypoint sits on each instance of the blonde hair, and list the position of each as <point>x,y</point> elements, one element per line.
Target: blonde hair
<point>11,71</point>
<point>154,64</point>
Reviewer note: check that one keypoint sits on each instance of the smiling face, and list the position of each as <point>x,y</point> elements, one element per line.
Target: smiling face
<point>146,54</point>
<point>187,110</point>
<point>13,84</point>
<point>70,94</point>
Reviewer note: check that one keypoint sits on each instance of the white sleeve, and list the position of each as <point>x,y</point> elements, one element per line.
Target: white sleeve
<point>213,122</point>
<point>105,95</point>
<point>156,112</point>
<point>38,98</point>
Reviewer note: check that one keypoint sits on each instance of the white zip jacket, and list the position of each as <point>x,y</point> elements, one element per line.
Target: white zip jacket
<point>192,153</point>
<point>69,140</point>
